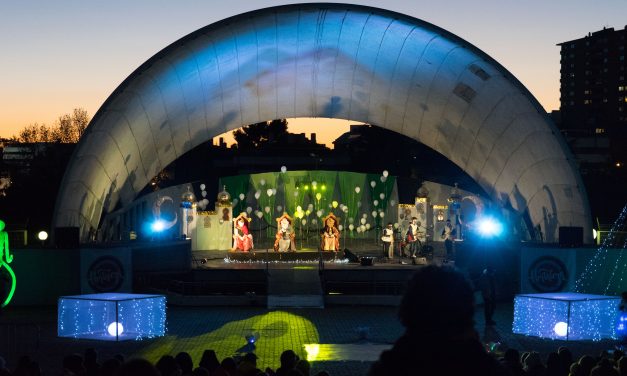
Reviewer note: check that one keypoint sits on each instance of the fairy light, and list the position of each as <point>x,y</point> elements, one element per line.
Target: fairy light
<point>600,263</point>
<point>112,316</point>
<point>566,315</point>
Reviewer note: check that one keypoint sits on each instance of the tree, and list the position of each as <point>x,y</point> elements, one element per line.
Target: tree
<point>68,129</point>
<point>262,134</point>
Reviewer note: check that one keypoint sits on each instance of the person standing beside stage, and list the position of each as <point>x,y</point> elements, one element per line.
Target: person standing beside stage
<point>330,237</point>
<point>388,241</point>
<point>448,234</point>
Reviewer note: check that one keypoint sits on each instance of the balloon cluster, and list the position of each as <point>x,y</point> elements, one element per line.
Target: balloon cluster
<point>204,202</point>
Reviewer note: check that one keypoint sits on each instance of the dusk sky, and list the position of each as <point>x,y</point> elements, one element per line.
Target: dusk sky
<point>60,55</point>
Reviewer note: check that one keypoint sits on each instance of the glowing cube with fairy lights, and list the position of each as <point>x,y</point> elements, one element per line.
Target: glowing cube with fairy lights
<point>566,316</point>
<point>111,316</point>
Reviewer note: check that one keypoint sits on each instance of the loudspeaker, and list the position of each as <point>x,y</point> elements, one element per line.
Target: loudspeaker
<point>570,236</point>
<point>66,237</point>
<point>350,256</point>
<point>366,261</point>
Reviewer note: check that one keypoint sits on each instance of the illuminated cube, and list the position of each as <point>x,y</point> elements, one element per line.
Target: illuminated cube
<point>111,316</point>
<point>566,315</point>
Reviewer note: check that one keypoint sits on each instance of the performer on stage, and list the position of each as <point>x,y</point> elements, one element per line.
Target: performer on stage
<point>242,238</point>
<point>412,236</point>
<point>330,238</point>
<point>448,234</point>
<point>388,241</point>
<point>284,240</point>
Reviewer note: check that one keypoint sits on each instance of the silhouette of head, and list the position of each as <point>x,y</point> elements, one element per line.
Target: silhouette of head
<point>441,297</point>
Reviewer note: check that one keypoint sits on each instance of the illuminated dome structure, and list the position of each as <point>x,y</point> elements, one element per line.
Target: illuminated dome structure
<point>334,61</point>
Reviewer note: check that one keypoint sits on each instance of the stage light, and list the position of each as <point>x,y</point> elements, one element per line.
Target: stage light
<point>42,235</point>
<point>489,227</point>
<point>561,329</point>
<point>158,226</point>
<point>251,339</point>
<point>594,233</point>
<point>113,327</point>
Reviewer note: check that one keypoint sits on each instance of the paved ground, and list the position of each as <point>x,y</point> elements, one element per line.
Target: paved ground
<point>353,334</point>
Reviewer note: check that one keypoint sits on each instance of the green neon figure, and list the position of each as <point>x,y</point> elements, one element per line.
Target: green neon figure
<point>5,259</point>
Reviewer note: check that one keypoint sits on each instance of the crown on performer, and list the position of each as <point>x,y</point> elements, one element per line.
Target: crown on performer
<point>330,216</point>
<point>242,216</point>
<point>286,216</point>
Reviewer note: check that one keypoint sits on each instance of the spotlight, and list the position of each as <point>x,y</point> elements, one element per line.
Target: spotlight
<point>489,227</point>
<point>113,327</point>
<point>561,329</point>
<point>42,235</point>
<point>158,225</point>
<point>251,338</point>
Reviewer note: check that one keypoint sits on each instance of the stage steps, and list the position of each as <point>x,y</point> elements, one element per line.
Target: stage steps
<point>298,287</point>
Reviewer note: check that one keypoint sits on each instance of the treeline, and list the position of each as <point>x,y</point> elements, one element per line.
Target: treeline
<point>68,128</point>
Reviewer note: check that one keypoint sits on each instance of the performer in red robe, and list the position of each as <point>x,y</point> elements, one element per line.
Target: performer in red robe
<point>242,238</point>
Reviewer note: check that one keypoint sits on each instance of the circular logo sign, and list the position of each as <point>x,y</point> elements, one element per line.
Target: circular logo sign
<point>548,274</point>
<point>106,274</point>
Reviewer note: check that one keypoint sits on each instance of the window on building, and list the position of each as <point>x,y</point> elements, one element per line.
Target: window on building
<point>599,130</point>
<point>587,101</point>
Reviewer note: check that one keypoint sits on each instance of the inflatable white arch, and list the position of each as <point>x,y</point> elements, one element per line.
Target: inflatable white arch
<point>335,61</point>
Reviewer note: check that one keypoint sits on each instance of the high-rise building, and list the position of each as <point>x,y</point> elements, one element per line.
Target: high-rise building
<point>593,90</point>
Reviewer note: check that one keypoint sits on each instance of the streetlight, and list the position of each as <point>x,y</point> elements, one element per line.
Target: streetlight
<point>42,235</point>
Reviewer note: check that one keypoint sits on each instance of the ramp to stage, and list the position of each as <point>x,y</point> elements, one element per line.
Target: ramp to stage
<point>295,287</point>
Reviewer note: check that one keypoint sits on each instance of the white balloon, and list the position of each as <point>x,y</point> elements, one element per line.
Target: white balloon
<point>382,214</point>
<point>274,191</point>
<point>359,229</point>
<point>259,214</point>
<point>383,179</point>
<point>363,220</point>
<point>357,189</point>
<point>279,208</point>
<point>262,182</point>
<point>203,193</point>
<point>392,202</point>
<point>304,222</point>
<point>269,192</point>
<point>295,193</point>
<point>242,196</point>
<point>314,183</point>
<point>359,204</point>
<point>283,169</point>
<point>375,202</point>
<point>314,221</point>
<point>202,187</point>
<point>267,209</point>
<point>340,227</point>
<point>367,226</point>
<point>351,227</point>
<point>351,220</point>
<point>396,225</point>
<point>299,208</point>
<point>373,184</point>
<point>382,196</point>
<point>364,215</point>
<point>345,209</point>
<point>249,209</point>
<point>257,195</point>
<point>310,206</point>
<point>319,213</point>
<point>205,201</point>
<point>385,173</point>
<point>235,201</point>
<point>374,213</point>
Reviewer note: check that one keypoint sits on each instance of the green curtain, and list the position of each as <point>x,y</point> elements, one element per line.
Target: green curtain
<point>325,187</point>
<point>348,182</point>
<point>236,185</point>
<point>293,185</point>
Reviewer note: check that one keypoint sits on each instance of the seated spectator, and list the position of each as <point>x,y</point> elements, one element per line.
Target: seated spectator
<point>437,311</point>
<point>288,362</point>
<point>303,366</point>
<point>566,357</point>
<point>110,367</point>
<point>138,367</point>
<point>228,364</point>
<point>587,363</point>
<point>622,366</point>
<point>511,361</point>
<point>554,365</point>
<point>74,364</point>
<point>209,361</point>
<point>168,366</point>
<point>91,362</point>
<point>604,368</point>
<point>533,365</point>
<point>185,362</point>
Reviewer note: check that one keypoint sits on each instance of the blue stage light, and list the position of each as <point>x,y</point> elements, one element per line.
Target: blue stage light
<point>158,225</point>
<point>489,227</point>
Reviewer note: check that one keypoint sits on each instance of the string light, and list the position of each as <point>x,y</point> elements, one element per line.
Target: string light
<point>596,270</point>
<point>112,316</point>
<point>566,315</point>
